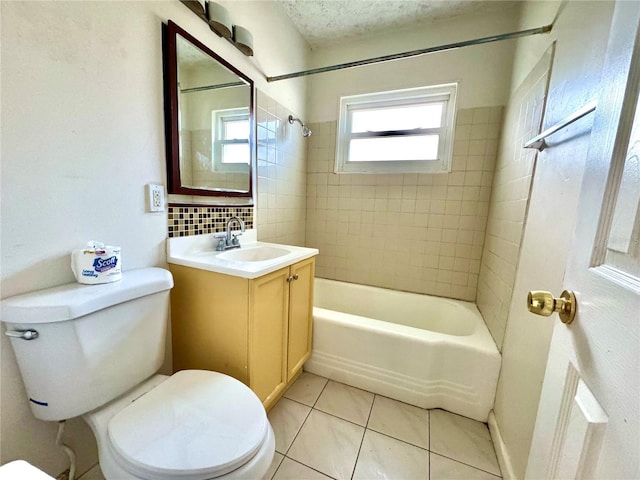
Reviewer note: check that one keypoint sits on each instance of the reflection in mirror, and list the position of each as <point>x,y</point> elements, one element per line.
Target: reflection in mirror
<point>211,129</point>
<point>623,248</point>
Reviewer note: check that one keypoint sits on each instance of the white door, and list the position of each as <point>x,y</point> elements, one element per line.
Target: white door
<point>588,423</point>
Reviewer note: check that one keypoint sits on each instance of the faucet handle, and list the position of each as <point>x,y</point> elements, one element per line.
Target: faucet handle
<point>221,237</point>
<point>234,240</point>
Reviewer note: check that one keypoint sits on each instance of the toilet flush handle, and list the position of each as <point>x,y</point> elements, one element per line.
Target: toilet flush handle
<point>28,334</point>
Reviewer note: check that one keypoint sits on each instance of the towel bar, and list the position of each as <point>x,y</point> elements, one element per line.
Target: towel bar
<point>538,142</point>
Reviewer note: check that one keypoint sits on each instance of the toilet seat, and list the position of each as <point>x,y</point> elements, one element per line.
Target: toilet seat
<point>196,425</point>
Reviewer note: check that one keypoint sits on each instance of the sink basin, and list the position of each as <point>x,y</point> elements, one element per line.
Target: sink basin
<point>254,254</point>
<point>254,259</point>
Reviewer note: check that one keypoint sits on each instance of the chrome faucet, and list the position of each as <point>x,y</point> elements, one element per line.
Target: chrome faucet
<point>228,240</point>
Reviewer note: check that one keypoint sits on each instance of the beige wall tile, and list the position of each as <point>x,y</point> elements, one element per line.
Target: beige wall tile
<point>415,232</point>
<point>284,181</point>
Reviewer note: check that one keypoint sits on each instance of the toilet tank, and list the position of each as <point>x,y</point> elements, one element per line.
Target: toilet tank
<point>94,342</point>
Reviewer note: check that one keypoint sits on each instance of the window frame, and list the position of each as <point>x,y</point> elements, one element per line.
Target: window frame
<point>413,96</point>
<point>218,140</point>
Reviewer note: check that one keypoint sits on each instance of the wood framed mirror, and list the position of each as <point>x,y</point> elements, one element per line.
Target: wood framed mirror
<point>209,120</point>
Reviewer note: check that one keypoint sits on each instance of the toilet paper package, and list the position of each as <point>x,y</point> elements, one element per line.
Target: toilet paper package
<point>96,263</point>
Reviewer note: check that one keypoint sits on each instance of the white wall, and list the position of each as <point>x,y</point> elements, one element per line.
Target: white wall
<point>580,33</point>
<point>82,133</point>
<point>484,71</point>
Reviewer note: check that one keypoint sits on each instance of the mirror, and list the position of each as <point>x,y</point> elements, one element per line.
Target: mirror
<point>209,120</point>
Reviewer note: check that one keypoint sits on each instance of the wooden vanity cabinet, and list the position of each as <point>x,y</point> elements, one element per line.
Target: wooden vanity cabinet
<point>300,317</point>
<point>256,330</point>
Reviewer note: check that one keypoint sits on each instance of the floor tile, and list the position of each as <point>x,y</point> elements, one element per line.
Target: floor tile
<point>306,389</point>
<point>286,418</point>
<point>383,457</point>
<point>292,470</point>
<point>400,420</point>
<point>443,468</point>
<point>346,402</point>
<point>275,463</point>
<point>328,444</point>
<point>93,474</point>
<point>463,439</point>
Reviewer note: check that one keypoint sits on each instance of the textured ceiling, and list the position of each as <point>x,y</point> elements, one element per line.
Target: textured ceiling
<point>323,22</point>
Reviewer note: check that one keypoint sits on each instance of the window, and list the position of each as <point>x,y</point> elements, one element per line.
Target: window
<point>398,131</point>
<point>230,139</point>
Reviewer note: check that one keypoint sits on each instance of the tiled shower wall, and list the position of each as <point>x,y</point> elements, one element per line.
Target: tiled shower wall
<point>509,200</point>
<point>282,175</point>
<point>414,232</point>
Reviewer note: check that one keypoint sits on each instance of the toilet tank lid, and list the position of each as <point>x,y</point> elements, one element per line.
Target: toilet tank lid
<point>74,300</point>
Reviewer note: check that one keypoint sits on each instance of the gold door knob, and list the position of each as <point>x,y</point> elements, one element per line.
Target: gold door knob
<point>543,303</point>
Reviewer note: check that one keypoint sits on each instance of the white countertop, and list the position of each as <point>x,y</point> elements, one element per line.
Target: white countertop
<point>198,251</point>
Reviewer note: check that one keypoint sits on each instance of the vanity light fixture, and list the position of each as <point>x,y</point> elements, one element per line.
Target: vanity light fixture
<point>220,23</point>
<point>219,20</point>
<point>197,6</point>
<point>243,40</point>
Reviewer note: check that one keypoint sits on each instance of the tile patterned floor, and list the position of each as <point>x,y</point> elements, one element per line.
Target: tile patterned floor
<point>325,429</point>
<point>328,430</point>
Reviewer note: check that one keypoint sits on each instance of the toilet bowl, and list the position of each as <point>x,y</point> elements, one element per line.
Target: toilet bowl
<point>194,425</point>
<point>95,350</point>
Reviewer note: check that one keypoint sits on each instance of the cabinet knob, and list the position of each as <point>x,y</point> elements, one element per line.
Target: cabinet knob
<point>292,278</point>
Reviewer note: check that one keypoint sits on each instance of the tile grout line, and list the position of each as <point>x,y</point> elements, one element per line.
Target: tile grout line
<point>363,435</point>
<point>320,394</point>
<point>278,468</point>
<point>398,439</point>
<point>429,442</point>
<point>311,468</point>
<point>327,413</point>
<point>300,429</point>
<point>463,463</point>
<point>451,458</point>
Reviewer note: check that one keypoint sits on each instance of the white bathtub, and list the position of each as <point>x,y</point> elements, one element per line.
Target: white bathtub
<point>426,351</point>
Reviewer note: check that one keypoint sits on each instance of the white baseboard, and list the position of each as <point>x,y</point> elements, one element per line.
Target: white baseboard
<point>501,449</point>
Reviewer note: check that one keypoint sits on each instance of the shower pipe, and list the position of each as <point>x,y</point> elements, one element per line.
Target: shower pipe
<point>306,132</point>
<point>414,53</point>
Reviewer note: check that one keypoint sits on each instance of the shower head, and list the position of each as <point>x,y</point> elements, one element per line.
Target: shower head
<point>306,132</point>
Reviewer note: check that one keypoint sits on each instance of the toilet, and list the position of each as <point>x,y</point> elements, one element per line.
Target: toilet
<point>95,350</point>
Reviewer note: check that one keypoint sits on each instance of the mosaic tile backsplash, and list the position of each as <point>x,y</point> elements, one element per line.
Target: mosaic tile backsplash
<point>191,220</point>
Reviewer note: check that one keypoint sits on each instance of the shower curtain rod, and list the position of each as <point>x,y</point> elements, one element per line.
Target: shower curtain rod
<point>212,87</point>
<point>413,53</point>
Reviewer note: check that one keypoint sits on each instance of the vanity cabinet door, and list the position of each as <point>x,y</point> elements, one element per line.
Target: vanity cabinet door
<point>268,335</point>
<point>209,320</point>
<point>300,315</point>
